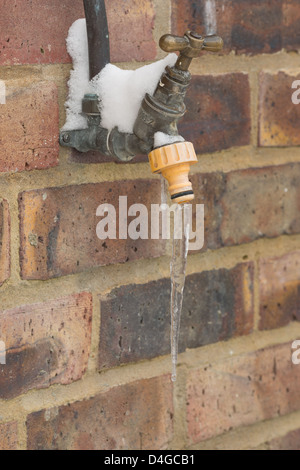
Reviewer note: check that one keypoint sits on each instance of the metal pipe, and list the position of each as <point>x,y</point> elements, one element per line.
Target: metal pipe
<point>98,36</point>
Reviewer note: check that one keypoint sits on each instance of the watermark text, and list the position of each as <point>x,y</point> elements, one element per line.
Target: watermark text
<point>296,94</point>
<point>2,353</point>
<point>296,353</point>
<point>2,92</point>
<point>137,222</point>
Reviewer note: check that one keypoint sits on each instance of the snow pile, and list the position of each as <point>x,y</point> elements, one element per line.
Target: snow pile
<point>79,84</point>
<point>120,91</point>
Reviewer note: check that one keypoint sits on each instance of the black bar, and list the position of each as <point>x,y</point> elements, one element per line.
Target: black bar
<point>185,193</point>
<point>98,36</point>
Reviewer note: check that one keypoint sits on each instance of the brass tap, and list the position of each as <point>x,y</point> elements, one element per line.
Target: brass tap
<point>174,161</point>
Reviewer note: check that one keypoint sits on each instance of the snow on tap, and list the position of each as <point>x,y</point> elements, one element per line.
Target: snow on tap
<point>120,92</point>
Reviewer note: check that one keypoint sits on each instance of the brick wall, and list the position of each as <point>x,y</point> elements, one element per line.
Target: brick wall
<point>86,323</point>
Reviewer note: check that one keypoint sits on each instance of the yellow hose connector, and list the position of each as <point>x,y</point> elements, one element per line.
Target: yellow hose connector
<point>173,162</point>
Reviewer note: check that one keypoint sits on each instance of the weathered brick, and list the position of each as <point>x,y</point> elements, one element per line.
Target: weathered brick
<point>58,228</point>
<point>133,416</point>
<point>35,31</point>
<point>29,127</point>
<point>4,241</point>
<point>245,205</point>
<point>135,319</point>
<point>46,343</point>
<point>291,441</point>
<point>58,225</point>
<point>279,280</point>
<point>278,115</point>
<point>218,112</point>
<point>246,26</point>
<point>8,436</point>
<point>241,391</point>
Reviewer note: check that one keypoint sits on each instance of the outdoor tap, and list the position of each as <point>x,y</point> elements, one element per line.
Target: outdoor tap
<point>159,113</point>
<point>167,106</point>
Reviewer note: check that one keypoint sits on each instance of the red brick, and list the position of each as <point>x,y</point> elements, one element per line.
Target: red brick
<point>218,112</point>
<point>4,241</point>
<point>35,31</point>
<point>279,280</point>
<point>29,128</point>
<point>135,324</point>
<point>246,26</point>
<point>131,25</point>
<point>136,416</point>
<point>8,436</point>
<point>46,343</point>
<point>245,205</point>
<point>241,391</point>
<point>291,441</point>
<point>63,223</point>
<point>278,115</point>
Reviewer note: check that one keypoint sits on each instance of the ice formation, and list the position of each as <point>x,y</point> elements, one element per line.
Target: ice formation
<point>161,139</point>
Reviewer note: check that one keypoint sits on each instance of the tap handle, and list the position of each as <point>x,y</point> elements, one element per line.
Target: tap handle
<point>190,46</point>
<point>170,43</point>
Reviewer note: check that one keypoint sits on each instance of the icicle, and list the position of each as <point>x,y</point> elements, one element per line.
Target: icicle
<point>178,271</point>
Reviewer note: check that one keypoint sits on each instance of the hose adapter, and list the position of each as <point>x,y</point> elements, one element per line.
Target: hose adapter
<point>173,162</point>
